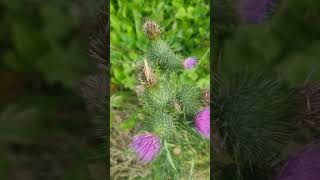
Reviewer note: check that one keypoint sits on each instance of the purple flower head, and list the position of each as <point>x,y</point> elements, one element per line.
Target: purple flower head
<point>202,122</point>
<point>146,146</point>
<point>253,11</point>
<point>304,164</point>
<point>190,62</point>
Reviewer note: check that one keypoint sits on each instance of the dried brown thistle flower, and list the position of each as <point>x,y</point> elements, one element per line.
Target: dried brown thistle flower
<point>311,107</point>
<point>152,29</point>
<point>206,97</point>
<point>147,76</point>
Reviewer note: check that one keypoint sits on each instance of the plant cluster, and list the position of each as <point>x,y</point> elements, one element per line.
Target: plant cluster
<point>176,115</point>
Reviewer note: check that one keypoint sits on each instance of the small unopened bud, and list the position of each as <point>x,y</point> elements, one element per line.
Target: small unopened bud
<point>152,29</point>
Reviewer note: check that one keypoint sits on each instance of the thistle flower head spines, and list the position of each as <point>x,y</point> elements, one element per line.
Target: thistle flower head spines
<point>189,98</point>
<point>161,123</point>
<point>152,29</point>
<point>146,147</point>
<point>161,55</point>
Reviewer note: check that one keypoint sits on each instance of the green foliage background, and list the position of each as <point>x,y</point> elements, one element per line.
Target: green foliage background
<point>284,47</point>
<point>187,29</point>
<point>45,131</point>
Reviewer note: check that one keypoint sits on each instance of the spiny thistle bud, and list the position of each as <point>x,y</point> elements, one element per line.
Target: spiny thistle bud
<point>146,146</point>
<point>159,97</point>
<point>161,55</point>
<point>162,124</point>
<point>304,164</point>
<point>190,63</point>
<point>152,29</point>
<point>190,99</point>
<point>248,104</point>
<point>253,11</point>
<point>202,122</point>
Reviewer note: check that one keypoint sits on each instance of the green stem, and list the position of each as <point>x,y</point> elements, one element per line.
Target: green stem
<point>169,156</point>
<point>191,169</point>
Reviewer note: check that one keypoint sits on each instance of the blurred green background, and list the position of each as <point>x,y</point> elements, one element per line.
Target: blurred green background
<point>286,45</point>
<point>45,130</point>
<point>186,26</point>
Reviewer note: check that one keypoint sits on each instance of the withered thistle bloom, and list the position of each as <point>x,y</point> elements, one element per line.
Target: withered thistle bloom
<point>147,76</point>
<point>190,62</point>
<point>310,105</point>
<point>206,96</point>
<point>253,11</point>
<point>202,122</point>
<point>146,147</point>
<point>152,29</point>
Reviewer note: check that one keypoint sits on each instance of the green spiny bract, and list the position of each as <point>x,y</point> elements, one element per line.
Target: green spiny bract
<point>255,117</point>
<point>160,55</point>
<point>161,123</point>
<point>190,99</point>
<point>160,96</point>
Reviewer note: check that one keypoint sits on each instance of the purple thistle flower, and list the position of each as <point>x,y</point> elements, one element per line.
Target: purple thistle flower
<point>146,146</point>
<point>190,62</point>
<point>253,11</point>
<point>202,122</point>
<point>304,164</point>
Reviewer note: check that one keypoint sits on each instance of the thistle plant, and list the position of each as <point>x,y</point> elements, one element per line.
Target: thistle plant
<point>255,118</point>
<point>173,136</point>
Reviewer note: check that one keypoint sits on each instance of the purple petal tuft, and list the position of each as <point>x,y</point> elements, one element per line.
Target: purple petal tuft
<point>202,122</point>
<point>304,164</point>
<point>190,62</point>
<point>253,11</point>
<point>146,146</point>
